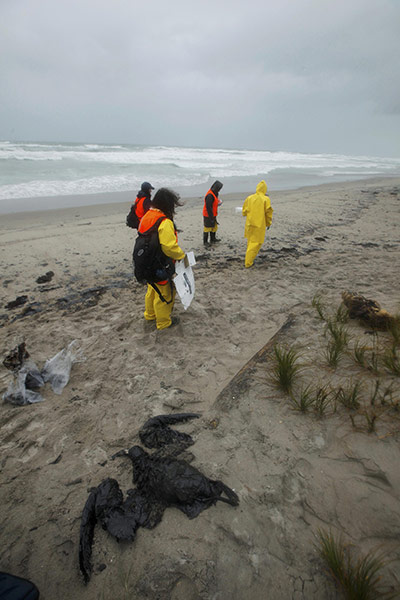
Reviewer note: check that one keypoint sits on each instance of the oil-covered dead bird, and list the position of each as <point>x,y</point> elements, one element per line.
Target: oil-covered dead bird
<point>156,432</point>
<point>162,481</point>
<point>368,311</point>
<point>121,518</point>
<point>174,482</point>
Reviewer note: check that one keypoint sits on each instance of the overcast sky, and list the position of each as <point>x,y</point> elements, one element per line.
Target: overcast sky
<point>295,75</point>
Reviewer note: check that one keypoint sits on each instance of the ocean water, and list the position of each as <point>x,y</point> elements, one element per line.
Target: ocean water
<point>30,170</point>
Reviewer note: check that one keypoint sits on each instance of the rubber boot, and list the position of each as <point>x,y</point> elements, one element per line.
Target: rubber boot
<point>214,239</point>
<point>205,239</point>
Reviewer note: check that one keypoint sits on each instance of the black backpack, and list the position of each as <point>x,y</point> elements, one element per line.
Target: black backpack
<point>17,588</point>
<point>132,220</point>
<point>150,263</point>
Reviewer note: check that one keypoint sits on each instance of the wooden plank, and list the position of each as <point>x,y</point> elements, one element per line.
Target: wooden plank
<point>229,396</point>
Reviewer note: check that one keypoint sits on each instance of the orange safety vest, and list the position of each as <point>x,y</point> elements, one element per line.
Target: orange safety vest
<point>149,219</point>
<point>214,206</point>
<point>139,210</point>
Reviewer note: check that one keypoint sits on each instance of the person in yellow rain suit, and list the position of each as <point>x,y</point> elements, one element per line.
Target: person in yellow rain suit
<point>258,212</point>
<point>159,302</point>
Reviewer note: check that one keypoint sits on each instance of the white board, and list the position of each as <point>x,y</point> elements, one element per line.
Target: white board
<point>184,280</point>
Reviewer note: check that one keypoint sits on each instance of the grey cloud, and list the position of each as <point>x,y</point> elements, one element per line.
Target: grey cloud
<point>304,75</point>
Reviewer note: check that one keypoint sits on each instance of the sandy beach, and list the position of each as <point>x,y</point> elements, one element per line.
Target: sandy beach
<point>295,473</point>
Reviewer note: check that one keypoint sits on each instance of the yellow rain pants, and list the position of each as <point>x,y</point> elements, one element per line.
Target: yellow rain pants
<point>155,308</point>
<point>213,229</point>
<point>252,250</point>
<point>258,212</point>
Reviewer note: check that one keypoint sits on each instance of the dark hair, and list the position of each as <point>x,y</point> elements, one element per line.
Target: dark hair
<point>166,200</point>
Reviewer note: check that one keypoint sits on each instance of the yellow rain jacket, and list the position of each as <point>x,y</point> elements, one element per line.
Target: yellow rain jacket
<point>155,308</point>
<point>257,208</point>
<point>168,241</point>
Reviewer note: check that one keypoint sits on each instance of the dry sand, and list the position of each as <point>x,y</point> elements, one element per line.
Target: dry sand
<point>294,472</point>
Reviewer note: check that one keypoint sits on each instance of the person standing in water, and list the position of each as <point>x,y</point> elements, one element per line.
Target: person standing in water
<point>258,212</point>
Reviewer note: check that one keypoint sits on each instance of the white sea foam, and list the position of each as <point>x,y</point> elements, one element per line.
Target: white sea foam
<point>93,185</point>
<point>34,169</point>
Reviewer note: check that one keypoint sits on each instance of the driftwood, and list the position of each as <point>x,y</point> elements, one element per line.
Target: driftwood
<point>368,311</point>
<point>229,396</point>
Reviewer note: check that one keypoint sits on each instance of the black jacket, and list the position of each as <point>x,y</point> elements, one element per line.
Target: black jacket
<point>210,220</point>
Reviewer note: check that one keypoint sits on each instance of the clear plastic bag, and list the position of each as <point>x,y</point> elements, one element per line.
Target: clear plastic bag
<point>17,392</point>
<point>57,370</point>
<point>34,378</point>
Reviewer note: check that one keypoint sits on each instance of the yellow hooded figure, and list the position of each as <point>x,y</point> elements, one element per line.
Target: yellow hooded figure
<point>258,212</point>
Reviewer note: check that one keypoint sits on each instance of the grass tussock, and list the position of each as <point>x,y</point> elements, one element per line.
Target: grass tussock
<point>368,356</point>
<point>381,401</point>
<point>376,353</point>
<point>286,367</point>
<point>359,578</point>
<point>360,354</point>
<point>338,332</point>
<point>319,306</point>
<point>316,398</point>
<point>342,314</point>
<point>391,360</point>
<point>349,395</point>
<point>387,398</point>
<point>375,393</point>
<point>371,417</point>
<point>338,341</point>
<point>333,353</point>
<point>305,399</point>
<point>374,358</point>
<point>322,399</point>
